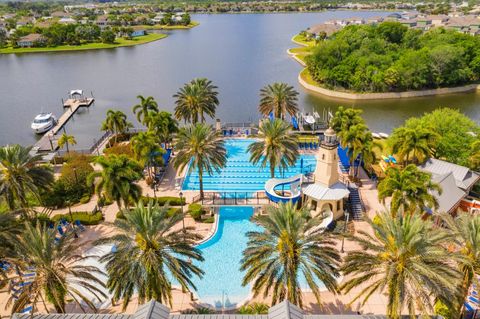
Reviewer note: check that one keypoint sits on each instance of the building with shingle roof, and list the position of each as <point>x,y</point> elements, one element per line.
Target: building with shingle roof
<point>456,182</point>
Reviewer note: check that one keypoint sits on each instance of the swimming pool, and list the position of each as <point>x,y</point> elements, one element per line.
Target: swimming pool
<point>241,175</point>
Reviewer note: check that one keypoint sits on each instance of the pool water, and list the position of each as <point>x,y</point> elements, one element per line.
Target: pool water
<point>222,253</point>
<point>240,174</point>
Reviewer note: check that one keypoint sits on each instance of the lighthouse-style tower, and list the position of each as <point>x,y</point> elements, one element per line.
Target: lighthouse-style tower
<point>327,194</point>
<point>326,171</point>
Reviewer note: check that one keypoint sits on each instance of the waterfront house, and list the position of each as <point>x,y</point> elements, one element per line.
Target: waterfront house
<point>102,21</point>
<point>67,21</point>
<point>329,29</point>
<point>438,20</point>
<point>374,20</point>
<point>31,40</point>
<point>455,181</point>
<point>138,31</point>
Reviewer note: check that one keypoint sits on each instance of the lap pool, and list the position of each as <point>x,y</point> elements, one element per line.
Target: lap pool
<point>242,176</point>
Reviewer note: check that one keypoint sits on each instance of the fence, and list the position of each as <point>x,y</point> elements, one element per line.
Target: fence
<point>233,198</point>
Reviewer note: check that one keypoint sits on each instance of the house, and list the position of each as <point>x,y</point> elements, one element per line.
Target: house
<point>374,20</point>
<point>158,18</point>
<point>329,29</point>
<point>102,21</point>
<point>455,181</point>
<point>59,14</point>
<point>67,21</point>
<point>3,25</point>
<point>438,20</point>
<point>155,310</point>
<point>138,31</point>
<point>31,40</point>
<point>25,21</point>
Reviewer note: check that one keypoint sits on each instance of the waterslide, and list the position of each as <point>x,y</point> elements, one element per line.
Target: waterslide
<point>292,193</point>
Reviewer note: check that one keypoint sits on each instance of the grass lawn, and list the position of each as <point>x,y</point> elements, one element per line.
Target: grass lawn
<point>120,42</point>
<point>171,27</point>
<point>301,39</point>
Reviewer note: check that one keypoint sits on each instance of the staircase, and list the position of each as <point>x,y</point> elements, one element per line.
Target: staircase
<point>355,205</point>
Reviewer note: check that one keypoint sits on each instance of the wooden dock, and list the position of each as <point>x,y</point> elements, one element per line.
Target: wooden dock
<point>49,141</point>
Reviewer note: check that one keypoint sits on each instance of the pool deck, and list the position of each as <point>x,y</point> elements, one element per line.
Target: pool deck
<point>170,186</point>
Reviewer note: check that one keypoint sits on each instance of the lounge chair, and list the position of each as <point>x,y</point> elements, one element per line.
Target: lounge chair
<point>79,225</point>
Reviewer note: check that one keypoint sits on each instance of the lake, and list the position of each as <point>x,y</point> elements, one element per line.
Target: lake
<point>240,53</point>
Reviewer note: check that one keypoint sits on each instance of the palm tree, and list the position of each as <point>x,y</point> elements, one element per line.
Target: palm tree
<point>145,106</point>
<point>195,99</point>
<point>279,99</point>
<point>276,146</point>
<point>344,118</point>
<point>409,189</point>
<point>149,254</point>
<point>416,142</point>
<point>406,258</point>
<point>58,272</point>
<point>255,308</point>
<point>117,179</point>
<point>147,149</point>
<point>201,147</point>
<point>466,230</point>
<point>366,150</point>
<point>21,175</point>
<point>66,140</point>
<point>163,125</point>
<point>8,226</point>
<point>116,122</point>
<point>291,245</point>
<point>354,139</point>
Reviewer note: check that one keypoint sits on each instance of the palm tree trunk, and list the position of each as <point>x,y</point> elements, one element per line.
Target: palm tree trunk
<point>66,144</point>
<point>200,181</point>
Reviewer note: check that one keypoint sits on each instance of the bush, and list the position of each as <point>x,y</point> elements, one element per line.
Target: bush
<point>171,200</point>
<point>209,220</point>
<point>120,149</point>
<point>85,199</point>
<point>86,218</point>
<point>196,211</point>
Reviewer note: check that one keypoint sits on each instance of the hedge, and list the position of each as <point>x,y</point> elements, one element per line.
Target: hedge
<point>86,218</point>
<point>171,211</point>
<point>171,200</point>
<point>196,211</point>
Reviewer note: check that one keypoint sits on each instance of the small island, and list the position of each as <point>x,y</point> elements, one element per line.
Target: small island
<point>387,60</point>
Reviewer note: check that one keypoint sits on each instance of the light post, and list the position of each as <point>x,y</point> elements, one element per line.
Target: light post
<point>183,215</point>
<point>347,217</point>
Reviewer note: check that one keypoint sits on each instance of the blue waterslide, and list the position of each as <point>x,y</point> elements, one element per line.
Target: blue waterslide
<point>294,190</point>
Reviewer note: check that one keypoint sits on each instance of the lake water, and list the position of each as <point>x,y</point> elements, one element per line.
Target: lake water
<point>239,53</point>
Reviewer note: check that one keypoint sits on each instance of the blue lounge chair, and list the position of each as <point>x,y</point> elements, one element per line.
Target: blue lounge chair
<point>26,310</point>
<point>79,225</point>
<point>468,306</point>
<point>311,145</point>
<point>60,230</point>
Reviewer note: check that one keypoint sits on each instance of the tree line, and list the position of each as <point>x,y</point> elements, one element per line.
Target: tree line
<point>391,57</point>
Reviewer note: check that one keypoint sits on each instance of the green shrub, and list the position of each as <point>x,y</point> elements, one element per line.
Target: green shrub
<point>442,310</point>
<point>86,218</point>
<point>196,211</point>
<point>85,199</point>
<point>209,220</point>
<point>171,200</point>
<point>170,212</point>
<point>120,149</point>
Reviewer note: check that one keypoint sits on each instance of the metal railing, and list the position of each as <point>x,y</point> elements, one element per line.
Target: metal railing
<point>232,198</point>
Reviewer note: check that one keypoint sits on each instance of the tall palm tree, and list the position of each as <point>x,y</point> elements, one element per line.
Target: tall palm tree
<point>145,106</point>
<point>409,189</point>
<point>195,100</point>
<point>276,146</point>
<point>201,147</point>
<point>149,253</point>
<point>163,125</point>
<point>21,175</point>
<point>147,149</point>
<point>366,150</point>
<point>354,138</point>
<point>66,140</point>
<point>279,99</point>
<point>116,122</point>
<point>419,143</point>
<point>291,245</point>
<point>58,272</point>
<point>466,231</point>
<point>117,179</point>
<point>406,258</point>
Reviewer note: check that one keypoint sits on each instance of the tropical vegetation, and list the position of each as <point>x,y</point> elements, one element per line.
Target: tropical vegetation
<point>392,57</point>
<point>66,140</point>
<point>147,250</point>
<point>144,107</point>
<point>200,148</point>
<point>406,258</point>
<point>276,147</point>
<point>116,122</point>
<point>278,99</point>
<point>195,100</point>
<point>291,245</point>
<point>409,190</point>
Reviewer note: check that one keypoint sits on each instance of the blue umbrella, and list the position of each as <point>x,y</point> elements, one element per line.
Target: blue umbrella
<point>271,116</point>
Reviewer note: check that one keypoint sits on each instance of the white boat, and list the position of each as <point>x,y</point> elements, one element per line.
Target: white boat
<point>383,135</point>
<point>375,135</point>
<point>43,122</point>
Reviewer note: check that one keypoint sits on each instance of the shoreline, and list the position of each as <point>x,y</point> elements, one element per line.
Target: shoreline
<point>316,88</point>
<point>152,37</point>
